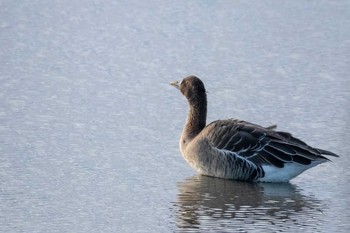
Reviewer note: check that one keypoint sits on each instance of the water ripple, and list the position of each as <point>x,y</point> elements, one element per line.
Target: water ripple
<point>206,203</point>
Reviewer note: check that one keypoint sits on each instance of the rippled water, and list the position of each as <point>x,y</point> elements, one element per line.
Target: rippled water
<point>89,124</point>
<point>208,203</point>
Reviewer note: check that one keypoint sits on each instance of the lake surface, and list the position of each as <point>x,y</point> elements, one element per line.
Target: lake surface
<point>89,125</point>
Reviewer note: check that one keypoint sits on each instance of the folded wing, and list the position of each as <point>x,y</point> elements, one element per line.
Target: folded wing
<point>261,145</point>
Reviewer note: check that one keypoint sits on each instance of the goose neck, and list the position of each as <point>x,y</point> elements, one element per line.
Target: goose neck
<point>196,118</point>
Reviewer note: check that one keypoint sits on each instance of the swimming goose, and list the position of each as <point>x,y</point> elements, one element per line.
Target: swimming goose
<point>240,150</point>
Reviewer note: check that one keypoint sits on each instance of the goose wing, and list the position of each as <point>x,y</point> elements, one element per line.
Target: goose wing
<point>261,145</point>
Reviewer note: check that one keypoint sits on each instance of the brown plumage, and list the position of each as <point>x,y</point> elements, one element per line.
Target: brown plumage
<point>240,150</point>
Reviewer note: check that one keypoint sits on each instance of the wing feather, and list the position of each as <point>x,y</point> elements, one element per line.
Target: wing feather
<point>261,145</point>
<point>279,154</point>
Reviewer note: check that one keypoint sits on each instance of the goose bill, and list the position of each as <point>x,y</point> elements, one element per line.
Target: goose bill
<point>176,84</point>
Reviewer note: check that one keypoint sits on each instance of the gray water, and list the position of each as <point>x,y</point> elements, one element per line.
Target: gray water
<point>89,125</point>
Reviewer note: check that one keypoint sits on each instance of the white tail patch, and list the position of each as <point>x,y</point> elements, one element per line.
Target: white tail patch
<point>288,172</point>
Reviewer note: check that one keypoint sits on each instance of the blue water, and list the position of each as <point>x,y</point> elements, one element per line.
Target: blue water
<point>89,125</point>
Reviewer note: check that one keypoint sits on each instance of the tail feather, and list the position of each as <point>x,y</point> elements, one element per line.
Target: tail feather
<point>326,152</point>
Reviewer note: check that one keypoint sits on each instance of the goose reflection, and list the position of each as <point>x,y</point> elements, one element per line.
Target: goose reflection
<point>205,200</point>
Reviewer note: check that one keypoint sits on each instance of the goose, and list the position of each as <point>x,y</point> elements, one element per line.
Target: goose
<point>237,149</point>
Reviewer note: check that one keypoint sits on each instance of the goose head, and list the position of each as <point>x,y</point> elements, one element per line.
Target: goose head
<point>191,87</point>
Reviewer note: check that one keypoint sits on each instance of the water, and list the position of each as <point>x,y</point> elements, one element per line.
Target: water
<point>222,204</point>
<point>89,124</point>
